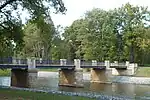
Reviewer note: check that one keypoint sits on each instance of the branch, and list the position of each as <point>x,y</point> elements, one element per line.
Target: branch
<point>6,3</point>
<point>3,27</point>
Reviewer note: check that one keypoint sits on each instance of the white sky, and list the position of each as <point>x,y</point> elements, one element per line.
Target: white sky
<point>77,8</point>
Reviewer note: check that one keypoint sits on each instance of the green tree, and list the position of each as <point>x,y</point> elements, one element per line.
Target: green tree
<point>132,26</point>
<point>120,34</point>
<point>11,25</point>
<point>38,38</point>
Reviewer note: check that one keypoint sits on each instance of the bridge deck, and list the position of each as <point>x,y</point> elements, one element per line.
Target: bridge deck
<point>119,67</point>
<point>14,66</point>
<point>6,66</point>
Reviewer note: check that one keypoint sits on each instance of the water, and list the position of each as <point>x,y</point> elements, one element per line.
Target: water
<point>49,81</point>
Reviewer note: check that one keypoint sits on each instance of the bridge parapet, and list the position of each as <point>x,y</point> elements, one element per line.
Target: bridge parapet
<point>124,68</point>
<point>118,65</point>
<point>5,60</point>
<point>62,62</point>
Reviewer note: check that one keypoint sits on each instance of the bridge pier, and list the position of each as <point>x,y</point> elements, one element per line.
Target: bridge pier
<point>71,77</point>
<point>101,75</point>
<point>24,77</point>
<point>129,70</point>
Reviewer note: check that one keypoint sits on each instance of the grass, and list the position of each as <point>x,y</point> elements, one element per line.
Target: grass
<point>143,72</point>
<point>145,65</point>
<point>5,72</point>
<point>50,70</point>
<point>8,94</point>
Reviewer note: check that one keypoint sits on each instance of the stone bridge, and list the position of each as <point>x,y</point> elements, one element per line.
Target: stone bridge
<point>24,71</point>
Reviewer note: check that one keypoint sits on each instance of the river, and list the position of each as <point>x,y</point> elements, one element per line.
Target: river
<point>49,81</point>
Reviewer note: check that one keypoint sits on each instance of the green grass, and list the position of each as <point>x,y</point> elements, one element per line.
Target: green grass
<point>143,72</point>
<point>8,94</point>
<point>145,65</point>
<point>5,72</point>
<point>50,70</point>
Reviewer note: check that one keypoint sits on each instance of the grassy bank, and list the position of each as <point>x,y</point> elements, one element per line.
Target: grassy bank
<point>5,72</point>
<point>50,70</point>
<point>8,94</point>
<point>143,72</point>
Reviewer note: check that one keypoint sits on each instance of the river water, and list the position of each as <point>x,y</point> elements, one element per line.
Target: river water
<point>49,81</point>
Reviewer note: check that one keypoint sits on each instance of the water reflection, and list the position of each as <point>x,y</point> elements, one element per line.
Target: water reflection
<point>51,83</point>
<point>5,81</point>
<point>104,88</point>
<point>124,89</point>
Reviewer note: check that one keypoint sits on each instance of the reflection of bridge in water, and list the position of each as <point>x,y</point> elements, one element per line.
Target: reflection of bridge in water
<point>24,71</point>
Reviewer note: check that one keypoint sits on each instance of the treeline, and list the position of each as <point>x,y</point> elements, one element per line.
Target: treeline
<point>120,34</point>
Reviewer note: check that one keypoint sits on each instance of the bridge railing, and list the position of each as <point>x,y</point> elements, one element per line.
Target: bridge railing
<point>90,63</point>
<point>21,61</point>
<point>100,63</point>
<point>11,60</point>
<point>69,62</point>
<point>118,65</point>
<point>54,62</point>
<point>86,63</point>
<point>6,60</point>
<point>48,62</point>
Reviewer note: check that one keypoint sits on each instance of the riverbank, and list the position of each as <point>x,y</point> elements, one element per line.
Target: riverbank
<point>141,72</point>
<point>14,93</point>
<point>5,72</point>
<point>10,94</point>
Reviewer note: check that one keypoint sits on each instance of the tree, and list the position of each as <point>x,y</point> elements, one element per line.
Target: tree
<point>38,38</point>
<point>73,37</point>
<point>132,25</point>
<point>11,26</point>
<point>120,34</point>
<point>91,37</point>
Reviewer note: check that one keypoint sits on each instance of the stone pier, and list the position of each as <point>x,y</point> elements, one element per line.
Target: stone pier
<point>24,77</point>
<point>71,77</point>
<point>128,71</point>
<point>101,75</point>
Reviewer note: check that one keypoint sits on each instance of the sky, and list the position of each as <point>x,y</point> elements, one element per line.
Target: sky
<point>77,8</point>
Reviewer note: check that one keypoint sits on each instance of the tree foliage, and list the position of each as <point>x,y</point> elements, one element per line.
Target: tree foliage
<point>11,23</point>
<point>120,34</point>
<point>38,38</point>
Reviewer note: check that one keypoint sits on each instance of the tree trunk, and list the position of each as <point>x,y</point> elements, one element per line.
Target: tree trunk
<point>132,53</point>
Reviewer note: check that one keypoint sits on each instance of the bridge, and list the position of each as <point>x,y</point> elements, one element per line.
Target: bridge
<point>24,71</point>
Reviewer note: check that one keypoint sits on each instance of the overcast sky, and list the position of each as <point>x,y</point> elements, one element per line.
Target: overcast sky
<point>77,8</point>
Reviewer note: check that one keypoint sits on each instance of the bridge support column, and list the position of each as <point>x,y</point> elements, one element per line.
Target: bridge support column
<point>72,77</point>
<point>24,77</point>
<point>130,70</point>
<point>99,75</point>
